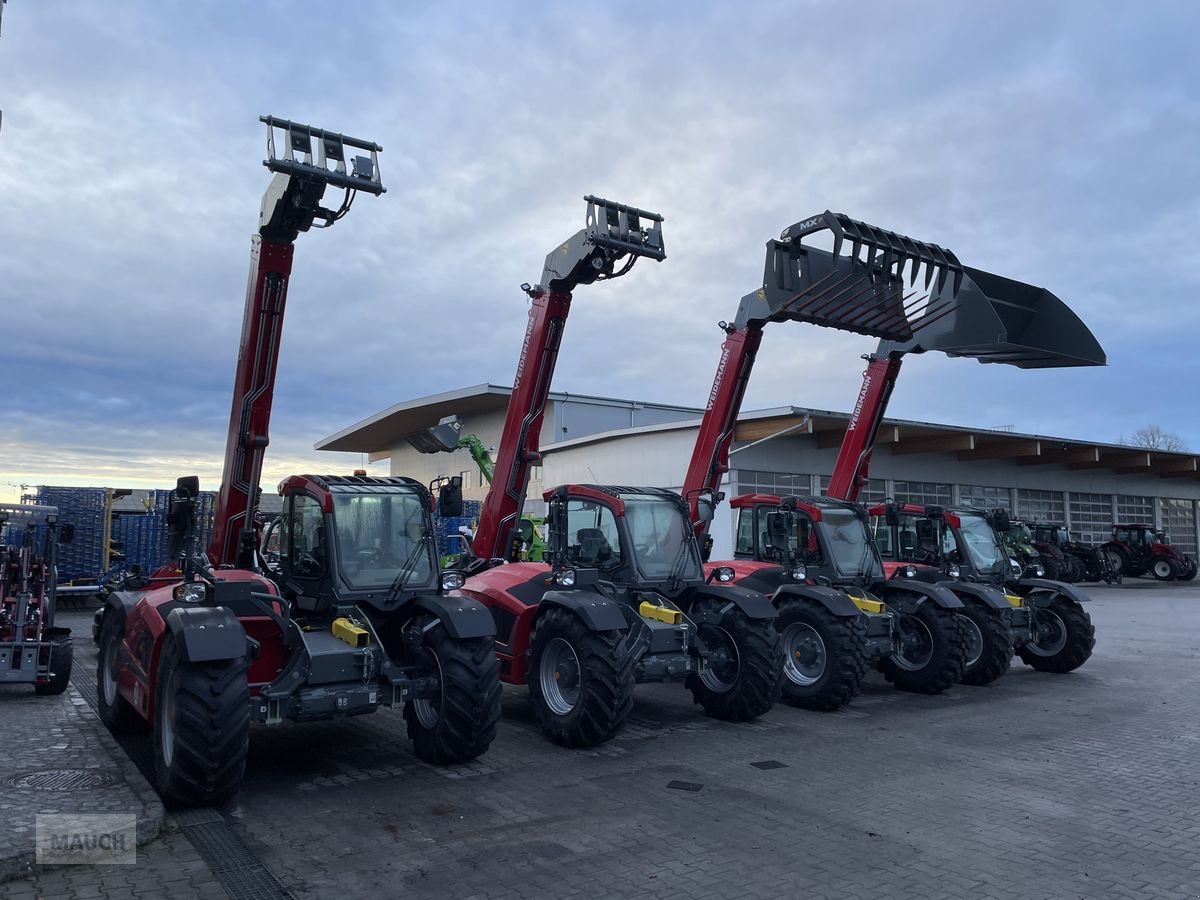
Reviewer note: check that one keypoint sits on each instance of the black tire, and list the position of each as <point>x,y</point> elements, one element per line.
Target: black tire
<point>1079,570</point>
<point>1164,569</point>
<point>1064,637</point>
<point>1052,568</point>
<point>60,652</point>
<point>746,686</point>
<point>1190,572</point>
<point>813,636</point>
<point>946,658</point>
<point>1119,559</point>
<point>114,710</point>
<point>461,725</point>
<point>594,701</point>
<point>201,728</point>
<point>989,643</point>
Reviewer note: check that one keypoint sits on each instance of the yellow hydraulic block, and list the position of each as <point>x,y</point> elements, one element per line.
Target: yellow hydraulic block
<point>660,613</point>
<point>354,635</point>
<point>1014,600</point>
<point>866,604</point>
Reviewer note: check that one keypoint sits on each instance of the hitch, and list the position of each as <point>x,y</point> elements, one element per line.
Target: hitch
<point>612,232</point>
<point>364,173</point>
<point>292,201</point>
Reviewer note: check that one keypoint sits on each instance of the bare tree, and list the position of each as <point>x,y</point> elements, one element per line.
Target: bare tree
<point>1154,437</point>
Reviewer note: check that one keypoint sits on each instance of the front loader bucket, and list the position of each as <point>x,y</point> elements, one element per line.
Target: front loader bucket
<point>945,306</point>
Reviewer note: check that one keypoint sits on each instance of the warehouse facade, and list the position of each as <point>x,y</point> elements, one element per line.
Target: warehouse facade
<point>791,450</point>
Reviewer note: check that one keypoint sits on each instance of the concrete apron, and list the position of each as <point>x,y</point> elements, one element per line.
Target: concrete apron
<point>59,758</point>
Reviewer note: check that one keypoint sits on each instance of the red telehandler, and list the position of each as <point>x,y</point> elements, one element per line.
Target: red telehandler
<point>623,598</point>
<point>354,616</point>
<point>942,624</point>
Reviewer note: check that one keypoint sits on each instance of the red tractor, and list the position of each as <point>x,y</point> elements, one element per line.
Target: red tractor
<point>33,649</point>
<point>940,305</point>
<point>354,617</point>
<point>1138,548</point>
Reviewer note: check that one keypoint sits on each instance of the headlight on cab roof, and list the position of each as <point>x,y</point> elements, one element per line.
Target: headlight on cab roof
<point>724,573</point>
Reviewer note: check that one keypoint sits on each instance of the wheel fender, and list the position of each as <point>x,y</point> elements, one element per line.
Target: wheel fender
<point>120,602</point>
<point>597,611</point>
<point>752,603</point>
<point>986,594</point>
<point>206,633</point>
<point>462,617</point>
<point>923,591</point>
<point>1028,586</point>
<point>837,602</point>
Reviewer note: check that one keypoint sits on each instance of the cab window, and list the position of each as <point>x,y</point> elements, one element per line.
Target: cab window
<point>592,538</point>
<point>306,546</point>
<point>745,531</point>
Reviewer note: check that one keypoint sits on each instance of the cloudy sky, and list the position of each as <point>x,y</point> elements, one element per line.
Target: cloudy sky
<point>1053,142</point>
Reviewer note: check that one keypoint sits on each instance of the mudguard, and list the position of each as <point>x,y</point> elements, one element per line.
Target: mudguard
<point>833,600</point>
<point>597,611</point>
<point>121,602</point>
<point>462,617</point>
<point>206,633</point>
<point>752,603</point>
<point>988,594</point>
<point>1028,585</point>
<point>937,593</point>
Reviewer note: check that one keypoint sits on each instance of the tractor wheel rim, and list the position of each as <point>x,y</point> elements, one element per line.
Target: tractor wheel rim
<point>805,659</point>
<point>560,676</point>
<point>166,722</point>
<point>1162,568</point>
<point>974,640</point>
<point>720,671</point>
<point>109,680</point>
<point>916,644</point>
<point>429,712</point>
<point>1049,634</point>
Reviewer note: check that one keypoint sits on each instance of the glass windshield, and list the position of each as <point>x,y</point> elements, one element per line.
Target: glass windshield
<point>848,543</point>
<point>978,540</point>
<point>1021,533</point>
<point>661,544</point>
<point>380,539</point>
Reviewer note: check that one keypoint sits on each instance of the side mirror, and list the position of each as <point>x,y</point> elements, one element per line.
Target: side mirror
<point>891,514</point>
<point>180,513</point>
<point>926,533</point>
<point>705,508</point>
<point>450,501</point>
<point>1000,520</point>
<point>778,528</point>
<point>66,533</point>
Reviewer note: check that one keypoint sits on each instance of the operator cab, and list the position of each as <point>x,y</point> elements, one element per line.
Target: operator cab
<point>631,536</point>
<point>345,541</point>
<point>827,537</point>
<point>961,542</point>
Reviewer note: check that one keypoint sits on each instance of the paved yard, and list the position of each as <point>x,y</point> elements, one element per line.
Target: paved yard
<point>1085,785</point>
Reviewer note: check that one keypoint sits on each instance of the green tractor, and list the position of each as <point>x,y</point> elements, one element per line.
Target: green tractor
<point>1030,549</point>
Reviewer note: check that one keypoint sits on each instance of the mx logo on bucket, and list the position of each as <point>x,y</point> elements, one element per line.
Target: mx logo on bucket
<point>64,839</point>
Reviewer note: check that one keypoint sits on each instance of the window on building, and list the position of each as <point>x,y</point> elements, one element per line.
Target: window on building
<point>873,491</point>
<point>1136,510</point>
<point>1179,517</point>
<point>1091,517</point>
<point>751,481</point>
<point>924,493</point>
<point>985,497</point>
<point>1040,506</point>
<point>466,479</point>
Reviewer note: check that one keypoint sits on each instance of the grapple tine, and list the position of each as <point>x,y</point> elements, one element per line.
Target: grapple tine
<point>957,267</point>
<point>974,314</point>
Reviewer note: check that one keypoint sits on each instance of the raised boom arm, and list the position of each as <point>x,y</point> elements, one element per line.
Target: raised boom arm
<point>613,233</point>
<point>291,204</point>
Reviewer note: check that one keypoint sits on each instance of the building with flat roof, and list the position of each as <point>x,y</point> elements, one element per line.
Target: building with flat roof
<point>1088,485</point>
